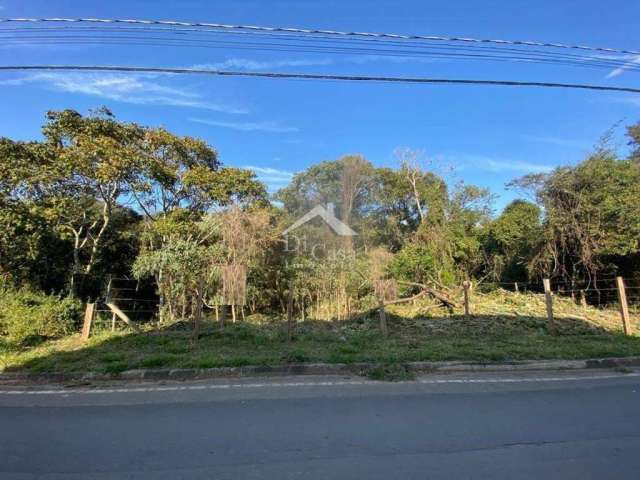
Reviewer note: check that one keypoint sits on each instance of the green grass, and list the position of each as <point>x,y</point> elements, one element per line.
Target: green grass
<point>112,353</point>
<point>485,337</point>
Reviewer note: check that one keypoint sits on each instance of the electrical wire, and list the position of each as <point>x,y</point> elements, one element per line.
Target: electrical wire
<point>309,76</point>
<point>586,62</point>
<point>307,43</point>
<point>220,26</point>
<point>321,39</point>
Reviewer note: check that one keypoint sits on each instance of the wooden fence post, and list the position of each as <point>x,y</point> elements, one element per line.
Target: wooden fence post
<point>516,287</point>
<point>467,294</point>
<point>89,313</point>
<point>549,299</point>
<point>624,307</point>
<point>383,318</point>
<point>583,299</point>
<point>290,312</point>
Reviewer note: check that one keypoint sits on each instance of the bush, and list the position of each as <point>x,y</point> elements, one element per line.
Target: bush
<point>419,262</point>
<point>414,262</point>
<point>27,316</point>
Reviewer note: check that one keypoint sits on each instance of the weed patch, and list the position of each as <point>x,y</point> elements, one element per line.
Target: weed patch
<point>394,372</point>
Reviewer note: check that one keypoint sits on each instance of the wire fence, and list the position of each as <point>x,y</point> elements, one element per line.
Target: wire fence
<point>140,302</point>
<point>137,299</point>
<point>602,293</point>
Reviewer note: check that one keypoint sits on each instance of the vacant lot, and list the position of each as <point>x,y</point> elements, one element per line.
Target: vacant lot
<point>505,326</point>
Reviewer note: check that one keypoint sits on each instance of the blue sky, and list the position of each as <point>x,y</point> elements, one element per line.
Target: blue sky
<point>490,135</point>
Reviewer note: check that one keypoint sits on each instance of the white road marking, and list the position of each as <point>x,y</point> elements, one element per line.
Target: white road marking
<point>426,381</point>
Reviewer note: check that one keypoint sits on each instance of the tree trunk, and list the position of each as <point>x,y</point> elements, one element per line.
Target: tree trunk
<point>290,312</point>
<point>106,218</point>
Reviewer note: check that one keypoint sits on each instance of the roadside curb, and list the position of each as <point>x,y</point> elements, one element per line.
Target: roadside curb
<point>185,374</point>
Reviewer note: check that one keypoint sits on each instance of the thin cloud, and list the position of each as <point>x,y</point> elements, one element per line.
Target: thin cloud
<point>633,100</point>
<point>362,59</point>
<point>494,165</point>
<point>561,142</point>
<point>619,71</point>
<point>516,166</point>
<point>271,127</point>
<point>249,64</point>
<point>628,99</point>
<point>273,178</point>
<point>12,82</point>
<point>284,174</point>
<point>134,89</point>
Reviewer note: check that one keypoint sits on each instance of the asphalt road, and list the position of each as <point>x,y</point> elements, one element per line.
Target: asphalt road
<point>539,426</point>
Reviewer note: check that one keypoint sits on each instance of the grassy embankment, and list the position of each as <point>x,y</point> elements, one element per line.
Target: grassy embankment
<point>505,326</point>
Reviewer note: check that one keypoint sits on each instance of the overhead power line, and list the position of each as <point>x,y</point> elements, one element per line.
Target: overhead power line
<point>437,52</point>
<point>142,34</point>
<point>357,47</point>
<point>254,28</point>
<point>309,76</point>
<point>185,32</point>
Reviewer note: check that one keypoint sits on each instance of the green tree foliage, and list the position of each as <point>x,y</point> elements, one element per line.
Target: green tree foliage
<point>592,217</point>
<point>185,255</point>
<point>98,195</point>
<point>406,210</point>
<point>75,177</point>
<point>634,141</point>
<point>345,182</point>
<point>30,251</point>
<point>78,184</point>
<point>447,246</point>
<point>395,213</point>
<point>510,240</point>
<point>185,173</point>
<point>94,161</point>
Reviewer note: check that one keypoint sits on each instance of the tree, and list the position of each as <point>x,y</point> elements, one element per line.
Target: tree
<point>185,173</point>
<point>60,195</point>
<point>185,256</point>
<point>510,241</point>
<point>356,177</point>
<point>592,217</point>
<point>634,141</point>
<point>94,160</point>
<point>89,169</point>
<point>394,214</point>
<point>31,253</point>
<point>343,182</point>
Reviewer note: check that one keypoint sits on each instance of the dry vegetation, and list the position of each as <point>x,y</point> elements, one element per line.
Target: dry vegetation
<point>505,312</point>
<point>504,326</point>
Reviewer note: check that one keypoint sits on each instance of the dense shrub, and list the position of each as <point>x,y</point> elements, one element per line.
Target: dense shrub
<point>26,316</point>
<point>418,263</point>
